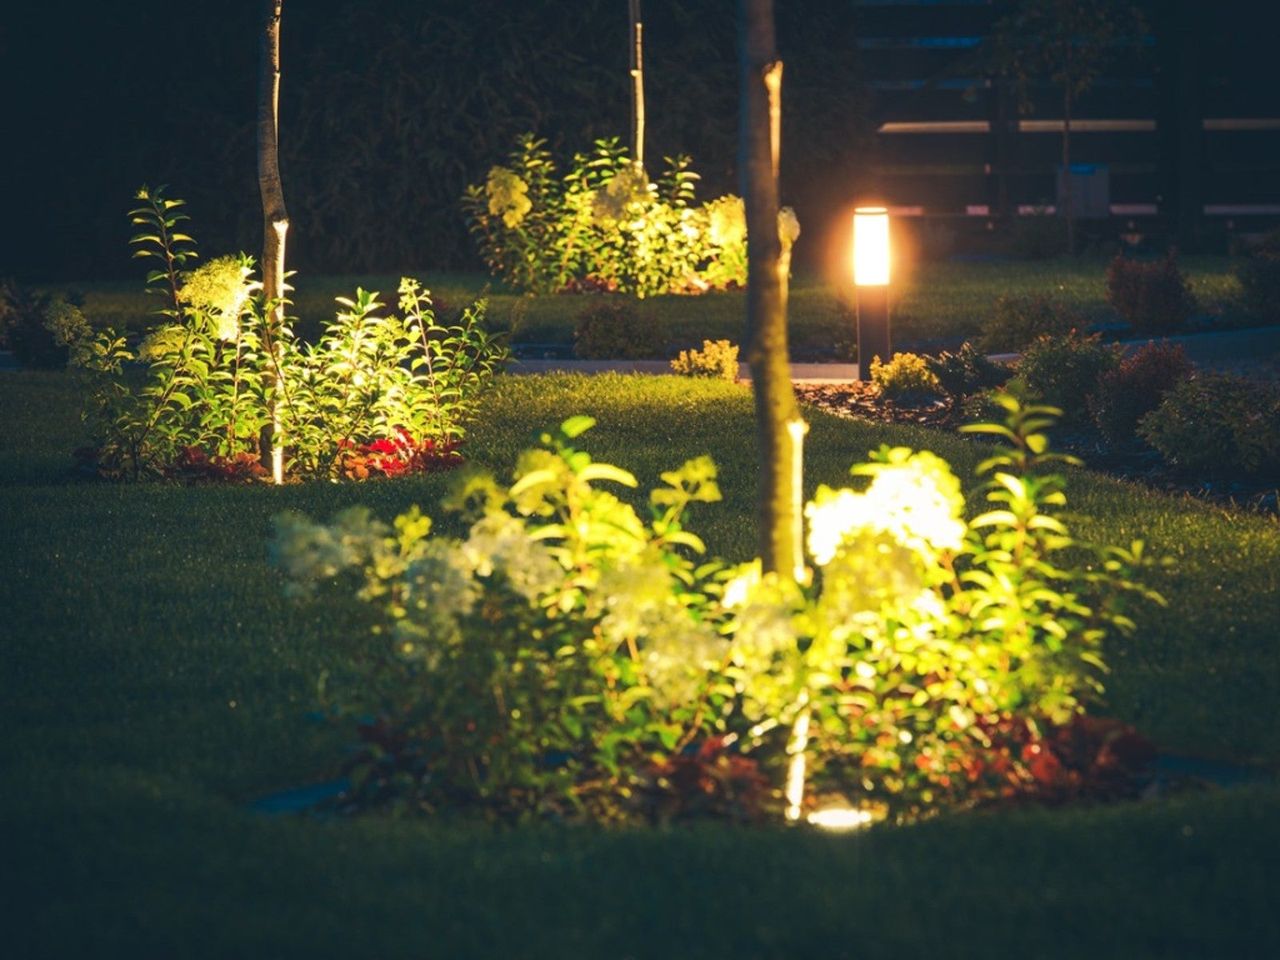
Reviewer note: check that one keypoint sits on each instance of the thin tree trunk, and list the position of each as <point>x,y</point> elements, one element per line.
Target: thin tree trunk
<point>777,414</point>
<point>275,217</point>
<point>779,427</point>
<point>637,84</point>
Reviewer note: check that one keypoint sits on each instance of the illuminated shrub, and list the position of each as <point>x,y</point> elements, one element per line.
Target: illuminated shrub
<point>1136,387</point>
<point>609,330</point>
<point>377,394</point>
<point>1259,278</point>
<point>1151,297</point>
<point>905,377</point>
<point>1064,371</point>
<point>604,226</point>
<point>1218,425</point>
<point>717,359</point>
<point>1017,321</point>
<point>567,658</point>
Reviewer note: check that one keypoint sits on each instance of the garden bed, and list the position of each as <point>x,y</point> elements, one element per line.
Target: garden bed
<point>155,679</point>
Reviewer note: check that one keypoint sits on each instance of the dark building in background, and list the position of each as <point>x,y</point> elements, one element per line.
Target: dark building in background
<point>1180,139</point>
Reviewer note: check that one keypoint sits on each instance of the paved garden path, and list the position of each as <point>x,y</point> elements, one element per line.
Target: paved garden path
<point>1238,351</point>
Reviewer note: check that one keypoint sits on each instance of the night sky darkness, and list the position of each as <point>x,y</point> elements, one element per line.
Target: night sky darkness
<point>101,97</point>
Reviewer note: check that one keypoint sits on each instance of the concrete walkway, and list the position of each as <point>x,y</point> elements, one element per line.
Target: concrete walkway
<point>1227,350</point>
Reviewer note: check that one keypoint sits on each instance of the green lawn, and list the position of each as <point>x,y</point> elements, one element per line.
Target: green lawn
<point>934,301</point>
<point>154,680</point>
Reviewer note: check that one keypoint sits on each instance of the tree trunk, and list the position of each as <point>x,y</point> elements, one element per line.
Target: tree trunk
<point>778,424</point>
<point>275,217</point>
<point>637,84</point>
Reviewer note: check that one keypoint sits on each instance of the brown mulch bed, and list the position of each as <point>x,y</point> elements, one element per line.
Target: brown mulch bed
<point>862,401</point>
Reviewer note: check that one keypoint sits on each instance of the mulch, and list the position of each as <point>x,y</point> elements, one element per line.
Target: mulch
<point>862,401</point>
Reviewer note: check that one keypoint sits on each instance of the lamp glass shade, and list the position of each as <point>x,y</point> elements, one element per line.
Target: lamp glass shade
<point>871,246</point>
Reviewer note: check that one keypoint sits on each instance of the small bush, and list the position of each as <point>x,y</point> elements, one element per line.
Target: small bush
<point>967,371</point>
<point>603,225</point>
<point>1152,297</point>
<point>905,377</point>
<point>717,358</point>
<point>26,328</point>
<point>1039,236</point>
<point>571,660</point>
<point>378,392</point>
<point>615,331</point>
<point>1218,425</point>
<point>1017,321</point>
<point>1064,372</point>
<point>1136,387</point>
<point>1260,279</point>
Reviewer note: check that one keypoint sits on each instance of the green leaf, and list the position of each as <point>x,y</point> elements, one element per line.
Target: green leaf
<point>577,425</point>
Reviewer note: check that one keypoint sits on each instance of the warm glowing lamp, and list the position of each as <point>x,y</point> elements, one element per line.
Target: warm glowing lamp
<point>871,278</point>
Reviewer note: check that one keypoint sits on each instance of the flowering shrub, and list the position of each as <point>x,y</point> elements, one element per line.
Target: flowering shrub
<point>604,226</point>
<point>1136,387</point>
<point>905,377</point>
<point>1150,297</point>
<point>717,359</point>
<point>216,369</point>
<point>569,659</point>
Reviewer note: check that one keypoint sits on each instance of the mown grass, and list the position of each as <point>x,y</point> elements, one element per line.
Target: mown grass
<point>154,679</point>
<point>934,302</point>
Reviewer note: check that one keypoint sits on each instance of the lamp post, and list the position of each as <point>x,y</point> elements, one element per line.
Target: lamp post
<point>871,278</point>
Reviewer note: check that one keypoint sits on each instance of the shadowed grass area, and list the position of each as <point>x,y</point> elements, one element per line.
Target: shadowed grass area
<point>154,679</point>
<point>932,302</point>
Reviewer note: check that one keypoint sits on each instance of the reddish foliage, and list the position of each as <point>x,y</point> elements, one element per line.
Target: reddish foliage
<point>1090,758</point>
<point>709,783</point>
<point>193,465</point>
<point>396,457</point>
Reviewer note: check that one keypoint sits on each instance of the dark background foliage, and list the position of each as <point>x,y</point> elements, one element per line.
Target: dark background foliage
<point>388,110</point>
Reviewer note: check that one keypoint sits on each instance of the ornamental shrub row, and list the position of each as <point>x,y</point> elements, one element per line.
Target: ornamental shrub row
<point>605,226</point>
<point>380,392</point>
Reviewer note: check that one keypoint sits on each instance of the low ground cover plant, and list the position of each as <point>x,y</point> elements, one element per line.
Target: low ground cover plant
<point>906,377</point>
<point>1152,297</point>
<point>717,358</point>
<point>967,371</point>
<point>570,659</point>
<point>377,393</point>
<point>605,226</point>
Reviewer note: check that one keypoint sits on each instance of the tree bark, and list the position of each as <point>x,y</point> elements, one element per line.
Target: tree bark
<point>780,429</point>
<point>637,84</point>
<point>274,216</point>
